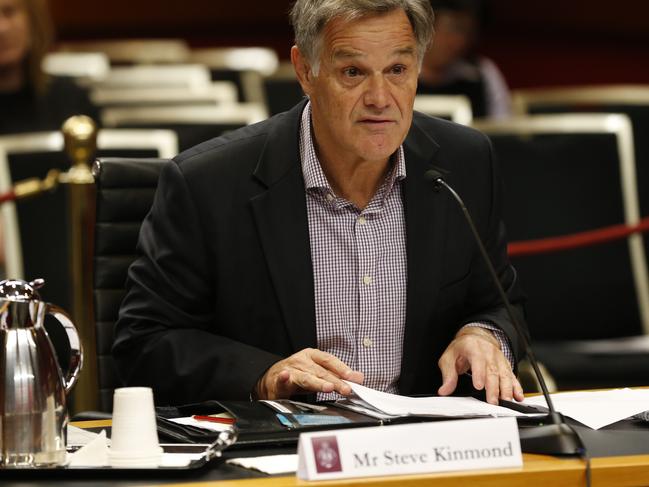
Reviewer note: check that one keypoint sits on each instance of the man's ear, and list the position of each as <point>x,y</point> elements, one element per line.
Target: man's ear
<point>302,70</point>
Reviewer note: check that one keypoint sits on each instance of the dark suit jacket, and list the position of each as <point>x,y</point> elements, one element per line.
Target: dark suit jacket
<point>224,285</point>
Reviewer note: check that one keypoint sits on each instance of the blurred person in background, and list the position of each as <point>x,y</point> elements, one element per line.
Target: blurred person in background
<point>30,100</point>
<point>452,65</point>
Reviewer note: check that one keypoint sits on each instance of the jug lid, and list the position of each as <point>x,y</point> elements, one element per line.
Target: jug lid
<point>20,291</point>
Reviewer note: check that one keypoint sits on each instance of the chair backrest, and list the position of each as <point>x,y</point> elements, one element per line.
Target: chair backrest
<point>456,108</point>
<point>282,91</point>
<point>565,174</point>
<point>261,59</point>
<point>36,231</point>
<point>121,51</point>
<point>244,66</point>
<point>157,76</point>
<point>577,98</point>
<point>125,190</point>
<point>213,93</point>
<point>193,124</point>
<point>632,100</point>
<point>92,66</point>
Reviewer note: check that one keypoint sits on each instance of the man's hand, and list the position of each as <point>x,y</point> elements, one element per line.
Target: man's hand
<point>309,370</point>
<point>477,350</point>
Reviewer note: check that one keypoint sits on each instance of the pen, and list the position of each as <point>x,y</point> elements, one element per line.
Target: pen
<point>214,419</point>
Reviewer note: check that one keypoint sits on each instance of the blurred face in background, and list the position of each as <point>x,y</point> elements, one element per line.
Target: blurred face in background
<point>14,33</point>
<point>455,33</point>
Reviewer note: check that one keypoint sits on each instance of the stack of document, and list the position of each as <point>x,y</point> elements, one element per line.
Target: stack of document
<point>383,405</point>
<point>594,409</point>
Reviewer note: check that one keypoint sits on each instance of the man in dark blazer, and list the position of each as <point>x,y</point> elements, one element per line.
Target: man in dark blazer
<point>236,293</point>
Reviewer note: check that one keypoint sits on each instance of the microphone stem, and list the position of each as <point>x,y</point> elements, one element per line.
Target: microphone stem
<point>503,296</point>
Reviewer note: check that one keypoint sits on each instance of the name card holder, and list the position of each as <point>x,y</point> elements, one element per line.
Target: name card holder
<point>416,448</point>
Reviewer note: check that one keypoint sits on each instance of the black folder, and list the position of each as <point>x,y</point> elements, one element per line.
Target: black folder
<point>259,423</point>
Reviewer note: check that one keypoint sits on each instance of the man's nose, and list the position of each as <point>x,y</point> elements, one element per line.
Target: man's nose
<point>377,93</point>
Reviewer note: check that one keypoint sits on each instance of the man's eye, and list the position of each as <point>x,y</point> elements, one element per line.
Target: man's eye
<point>352,72</point>
<point>398,69</point>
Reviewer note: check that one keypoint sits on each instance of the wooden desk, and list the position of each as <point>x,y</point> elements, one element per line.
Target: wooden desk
<point>624,471</point>
<point>537,470</point>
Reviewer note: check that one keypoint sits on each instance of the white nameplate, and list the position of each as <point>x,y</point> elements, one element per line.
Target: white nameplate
<point>467,444</point>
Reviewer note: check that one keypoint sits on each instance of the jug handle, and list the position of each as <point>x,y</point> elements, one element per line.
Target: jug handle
<point>76,350</point>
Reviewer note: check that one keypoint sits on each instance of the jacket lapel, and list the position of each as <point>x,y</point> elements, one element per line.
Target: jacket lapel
<point>281,219</point>
<point>425,212</point>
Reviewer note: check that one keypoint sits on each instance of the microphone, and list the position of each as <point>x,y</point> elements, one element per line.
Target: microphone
<point>556,437</point>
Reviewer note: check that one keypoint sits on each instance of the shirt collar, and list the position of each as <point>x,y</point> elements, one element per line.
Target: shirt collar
<point>314,177</point>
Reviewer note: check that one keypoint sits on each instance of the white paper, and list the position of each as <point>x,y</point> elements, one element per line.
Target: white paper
<point>271,464</point>
<point>92,454</point>
<point>79,437</point>
<point>597,409</point>
<point>428,406</point>
<point>207,425</point>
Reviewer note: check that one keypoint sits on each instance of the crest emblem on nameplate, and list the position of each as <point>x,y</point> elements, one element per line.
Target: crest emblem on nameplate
<point>326,454</point>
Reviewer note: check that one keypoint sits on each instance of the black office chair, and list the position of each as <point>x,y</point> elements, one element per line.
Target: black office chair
<point>281,89</point>
<point>631,100</point>
<point>37,230</point>
<point>125,191</point>
<point>566,174</point>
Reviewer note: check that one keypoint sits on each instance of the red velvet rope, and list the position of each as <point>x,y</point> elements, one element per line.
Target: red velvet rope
<point>538,246</point>
<point>576,240</point>
<point>8,196</point>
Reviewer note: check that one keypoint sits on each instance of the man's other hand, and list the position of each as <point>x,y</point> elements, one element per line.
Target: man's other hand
<point>477,350</point>
<point>309,370</point>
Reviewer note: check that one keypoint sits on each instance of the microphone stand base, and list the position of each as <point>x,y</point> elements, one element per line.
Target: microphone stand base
<point>551,439</point>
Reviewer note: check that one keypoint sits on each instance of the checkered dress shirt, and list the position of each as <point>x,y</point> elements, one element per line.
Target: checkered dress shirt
<point>360,270</point>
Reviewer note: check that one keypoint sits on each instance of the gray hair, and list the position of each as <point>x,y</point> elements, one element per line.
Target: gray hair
<point>309,17</point>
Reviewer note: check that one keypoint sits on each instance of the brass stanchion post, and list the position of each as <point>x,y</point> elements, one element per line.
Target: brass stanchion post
<point>80,135</point>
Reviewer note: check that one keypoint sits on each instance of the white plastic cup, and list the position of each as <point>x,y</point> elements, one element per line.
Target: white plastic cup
<point>134,437</point>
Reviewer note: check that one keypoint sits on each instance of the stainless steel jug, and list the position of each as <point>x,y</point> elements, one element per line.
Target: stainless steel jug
<point>33,411</point>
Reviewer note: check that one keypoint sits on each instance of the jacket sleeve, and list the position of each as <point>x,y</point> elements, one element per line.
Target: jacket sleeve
<point>167,335</point>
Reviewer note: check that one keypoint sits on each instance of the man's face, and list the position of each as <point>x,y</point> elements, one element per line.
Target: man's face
<point>14,33</point>
<point>363,94</point>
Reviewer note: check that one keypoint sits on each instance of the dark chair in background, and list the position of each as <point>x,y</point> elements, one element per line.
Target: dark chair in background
<point>281,89</point>
<point>631,100</point>
<point>566,174</point>
<point>125,191</point>
<point>37,230</point>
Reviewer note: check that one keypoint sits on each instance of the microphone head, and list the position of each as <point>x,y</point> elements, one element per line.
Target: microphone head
<point>433,175</point>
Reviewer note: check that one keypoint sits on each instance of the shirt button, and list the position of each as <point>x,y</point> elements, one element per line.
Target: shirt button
<point>367,280</point>
<point>367,342</point>
<point>362,220</point>
<point>330,197</point>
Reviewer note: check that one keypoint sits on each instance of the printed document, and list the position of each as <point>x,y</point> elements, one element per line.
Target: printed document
<point>393,405</point>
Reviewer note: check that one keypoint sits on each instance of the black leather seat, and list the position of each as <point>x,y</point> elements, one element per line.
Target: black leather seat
<point>125,190</point>
<point>584,302</point>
